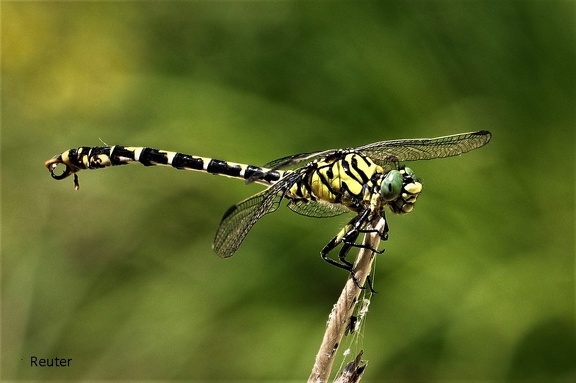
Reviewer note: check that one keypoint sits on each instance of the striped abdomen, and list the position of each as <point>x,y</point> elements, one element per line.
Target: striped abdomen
<point>100,157</point>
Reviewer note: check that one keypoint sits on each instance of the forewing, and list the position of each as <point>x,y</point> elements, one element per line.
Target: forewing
<point>288,161</point>
<point>239,219</point>
<point>385,152</point>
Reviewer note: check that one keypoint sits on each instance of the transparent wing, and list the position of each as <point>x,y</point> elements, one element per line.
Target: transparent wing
<point>385,152</point>
<point>239,219</point>
<point>317,209</point>
<point>295,159</point>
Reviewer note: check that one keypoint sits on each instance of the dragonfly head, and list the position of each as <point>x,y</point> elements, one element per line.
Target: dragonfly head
<point>400,189</point>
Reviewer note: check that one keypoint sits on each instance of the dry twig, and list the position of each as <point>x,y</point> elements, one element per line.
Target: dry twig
<point>342,311</point>
<point>353,371</point>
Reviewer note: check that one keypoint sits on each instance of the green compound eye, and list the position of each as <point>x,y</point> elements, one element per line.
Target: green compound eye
<point>410,173</point>
<point>391,185</point>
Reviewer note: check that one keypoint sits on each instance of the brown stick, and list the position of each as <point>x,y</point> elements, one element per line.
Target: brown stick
<point>339,318</point>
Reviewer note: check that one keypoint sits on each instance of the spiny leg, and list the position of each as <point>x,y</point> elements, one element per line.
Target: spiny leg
<point>346,232</point>
<point>383,236</point>
<point>348,236</point>
<point>353,230</point>
<point>346,246</point>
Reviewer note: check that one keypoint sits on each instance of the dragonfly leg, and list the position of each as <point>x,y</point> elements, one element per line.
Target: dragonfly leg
<point>355,228</point>
<point>383,234</point>
<point>370,285</point>
<point>348,236</point>
<point>346,248</point>
<point>343,264</point>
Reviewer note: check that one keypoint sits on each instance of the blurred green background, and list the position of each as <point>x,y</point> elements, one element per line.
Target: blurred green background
<point>476,284</point>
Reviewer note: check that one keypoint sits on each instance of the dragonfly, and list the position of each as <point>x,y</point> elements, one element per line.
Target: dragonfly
<point>365,181</point>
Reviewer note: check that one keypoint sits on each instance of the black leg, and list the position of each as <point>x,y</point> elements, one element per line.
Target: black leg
<point>348,236</point>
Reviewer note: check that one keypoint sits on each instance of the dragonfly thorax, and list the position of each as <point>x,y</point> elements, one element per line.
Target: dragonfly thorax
<point>345,178</point>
